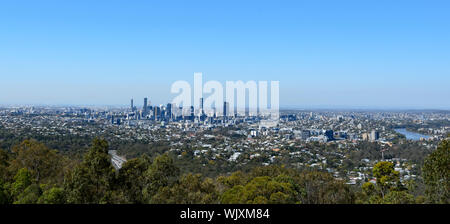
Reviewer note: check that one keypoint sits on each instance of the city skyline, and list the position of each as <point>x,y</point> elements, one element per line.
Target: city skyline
<point>140,105</point>
<point>388,55</point>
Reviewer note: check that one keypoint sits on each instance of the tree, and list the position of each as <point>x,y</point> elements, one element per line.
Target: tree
<point>386,176</point>
<point>368,188</point>
<point>131,179</point>
<point>23,190</point>
<point>322,188</point>
<point>261,189</point>
<point>22,180</point>
<point>398,197</point>
<point>388,188</point>
<point>236,178</point>
<point>4,193</point>
<point>189,189</point>
<point>4,164</point>
<point>436,170</point>
<point>162,172</point>
<point>43,163</point>
<point>91,181</point>
<point>30,195</point>
<point>54,195</point>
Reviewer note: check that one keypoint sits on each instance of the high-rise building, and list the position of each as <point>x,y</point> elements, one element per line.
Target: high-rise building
<point>201,107</point>
<point>180,112</point>
<point>192,113</point>
<point>169,111</point>
<point>225,109</point>
<point>156,113</point>
<point>365,136</point>
<point>132,105</point>
<point>374,135</point>
<point>144,109</point>
<point>329,134</point>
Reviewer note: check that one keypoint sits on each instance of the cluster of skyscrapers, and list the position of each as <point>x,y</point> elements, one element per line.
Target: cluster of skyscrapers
<point>171,112</point>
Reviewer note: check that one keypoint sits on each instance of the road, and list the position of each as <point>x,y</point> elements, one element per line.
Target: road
<point>116,160</point>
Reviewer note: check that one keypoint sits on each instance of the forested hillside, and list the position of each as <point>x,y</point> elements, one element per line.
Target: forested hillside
<point>33,173</point>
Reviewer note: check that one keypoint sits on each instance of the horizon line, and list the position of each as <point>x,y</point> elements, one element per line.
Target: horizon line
<point>284,107</point>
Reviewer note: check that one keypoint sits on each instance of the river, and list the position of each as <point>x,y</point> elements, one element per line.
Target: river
<point>411,135</point>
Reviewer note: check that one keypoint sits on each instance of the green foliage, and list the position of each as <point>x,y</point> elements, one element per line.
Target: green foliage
<point>162,172</point>
<point>4,164</point>
<point>4,193</point>
<point>398,197</point>
<point>276,184</point>
<point>22,180</point>
<point>43,163</point>
<point>29,196</point>
<point>388,189</point>
<point>386,176</point>
<point>259,189</point>
<point>189,189</point>
<point>322,188</point>
<point>32,173</point>
<point>368,188</point>
<point>436,172</point>
<point>131,180</point>
<point>237,178</point>
<point>91,181</point>
<point>54,195</point>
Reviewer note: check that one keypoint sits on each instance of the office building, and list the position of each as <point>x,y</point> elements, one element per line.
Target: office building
<point>374,135</point>
<point>225,109</point>
<point>145,108</point>
<point>132,105</point>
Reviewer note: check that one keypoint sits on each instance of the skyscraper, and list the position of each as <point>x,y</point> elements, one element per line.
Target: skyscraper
<point>156,113</point>
<point>201,107</point>
<point>225,109</point>
<point>144,109</point>
<point>329,134</point>
<point>132,105</point>
<point>169,111</point>
<point>374,135</point>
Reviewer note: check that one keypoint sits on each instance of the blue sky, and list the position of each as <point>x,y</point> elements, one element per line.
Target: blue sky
<point>357,54</point>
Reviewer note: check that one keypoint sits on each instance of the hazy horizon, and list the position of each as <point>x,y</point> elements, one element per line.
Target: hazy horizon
<point>282,107</point>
